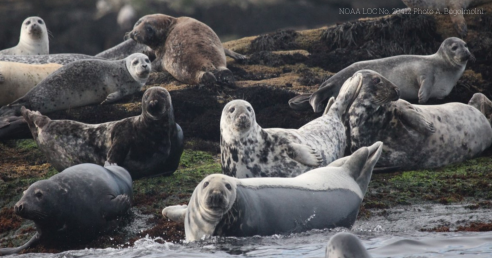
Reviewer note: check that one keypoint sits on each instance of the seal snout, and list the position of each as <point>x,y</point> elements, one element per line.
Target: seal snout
<point>242,121</point>
<point>19,208</point>
<point>216,200</point>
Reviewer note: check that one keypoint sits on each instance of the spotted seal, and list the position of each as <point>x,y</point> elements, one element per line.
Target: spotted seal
<point>454,8</point>
<point>346,245</point>
<point>414,136</point>
<point>186,48</point>
<point>247,150</point>
<point>417,77</point>
<point>148,144</point>
<point>33,39</point>
<point>16,79</point>
<point>84,82</point>
<point>325,197</point>
<point>62,59</point>
<point>75,204</point>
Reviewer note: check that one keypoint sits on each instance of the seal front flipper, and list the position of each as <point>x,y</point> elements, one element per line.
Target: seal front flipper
<point>304,154</point>
<point>177,147</point>
<point>117,205</point>
<point>31,242</point>
<point>113,97</point>
<point>234,55</point>
<point>409,116</point>
<point>425,88</point>
<point>300,102</point>
<point>175,213</point>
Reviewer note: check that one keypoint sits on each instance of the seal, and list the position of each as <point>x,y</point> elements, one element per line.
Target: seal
<point>325,197</point>
<point>347,245</point>
<point>62,59</point>
<point>75,204</point>
<point>33,39</point>
<point>482,103</point>
<point>186,48</point>
<point>16,79</point>
<point>454,8</point>
<point>125,49</point>
<point>417,77</point>
<point>148,144</point>
<point>84,82</point>
<point>247,150</point>
<point>414,136</point>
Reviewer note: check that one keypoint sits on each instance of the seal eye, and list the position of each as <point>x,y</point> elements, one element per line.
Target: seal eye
<point>228,186</point>
<point>147,61</point>
<point>249,109</point>
<point>38,194</point>
<point>454,48</point>
<point>232,109</point>
<point>28,22</point>
<point>376,80</point>
<point>205,184</point>
<point>135,62</point>
<point>40,21</point>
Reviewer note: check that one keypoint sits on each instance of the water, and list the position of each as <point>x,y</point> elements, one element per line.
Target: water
<point>391,233</point>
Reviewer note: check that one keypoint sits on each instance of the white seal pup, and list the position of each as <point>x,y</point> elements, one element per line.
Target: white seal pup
<point>325,197</point>
<point>455,9</point>
<point>62,59</point>
<point>33,39</point>
<point>16,79</point>
<point>74,205</point>
<point>84,83</point>
<point>247,150</point>
<point>146,145</point>
<point>414,136</point>
<point>345,245</point>
<point>417,77</point>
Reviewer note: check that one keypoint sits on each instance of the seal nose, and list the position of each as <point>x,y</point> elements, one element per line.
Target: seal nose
<point>18,208</point>
<point>153,102</point>
<point>144,66</point>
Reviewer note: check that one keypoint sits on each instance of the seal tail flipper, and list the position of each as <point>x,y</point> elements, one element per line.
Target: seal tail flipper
<point>300,102</point>
<point>361,163</point>
<point>35,120</point>
<point>31,242</point>
<point>482,103</point>
<point>175,213</point>
<point>234,55</point>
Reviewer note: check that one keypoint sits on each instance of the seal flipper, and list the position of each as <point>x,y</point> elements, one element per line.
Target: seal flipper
<point>31,242</point>
<point>425,89</point>
<point>177,147</point>
<point>304,154</point>
<point>414,119</point>
<point>361,163</point>
<point>113,97</point>
<point>300,102</point>
<point>328,105</point>
<point>116,206</point>
<point>234,55</point>
<point>175,213</point>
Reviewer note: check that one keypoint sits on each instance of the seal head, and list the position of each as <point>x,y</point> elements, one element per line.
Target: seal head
<point>33,39</point>
<point>152,30</point>
<point>347,245</point>
<point>139,67</point>
<point>238,120</point>
<point>455,51</point>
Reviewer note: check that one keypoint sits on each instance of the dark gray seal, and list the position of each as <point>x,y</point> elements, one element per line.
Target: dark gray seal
<point>125,49</point>
<point>33,39</point>
<point>417,77</point>
<point>414,136</point>
<point>148,144</point>
<point>247,150</point>
<point>186,48</point>
<point>346,245</point>
<point>62,59</point>
<point>83,83</point>
<point>455,9</point>
<point>325,197</point>
<point>74,205</point>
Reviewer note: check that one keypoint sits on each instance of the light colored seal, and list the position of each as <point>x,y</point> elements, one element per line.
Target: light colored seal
<point>84,83</point>
<point>455,9</point>
<point>414,136</point>
<point>345,245</point>
<point>482,103</point>
<point>62,59</point>
<point>75,204</point>
<point>325,197</point>
<point>16,79</point>
<point>247,150</point>
<point>148,144</point>
<point>186,48</point>
<point>417,77</point>
<point>33,39</point>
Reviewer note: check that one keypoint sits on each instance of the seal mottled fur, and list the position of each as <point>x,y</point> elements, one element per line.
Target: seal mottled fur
<point>417,77</point>
<point>74,205</point>
<point>33,39</point>
<point>62,59</point>
<point>186,48</point>
<point>325,197</point>
<point>85,82</point>
<point>148,144</point>
<point>414,136</point>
